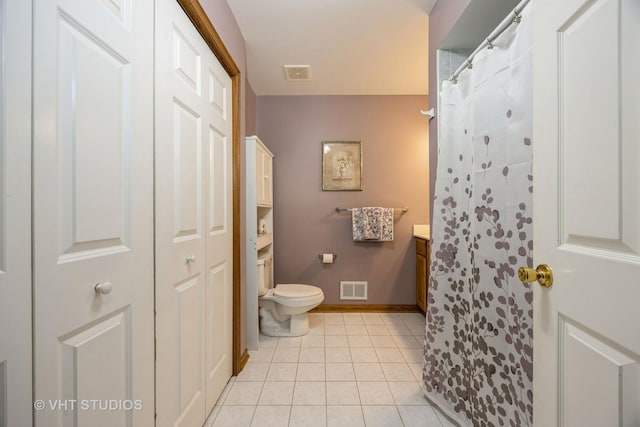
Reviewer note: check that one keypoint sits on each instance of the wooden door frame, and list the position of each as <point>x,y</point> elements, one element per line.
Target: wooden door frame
<point>203,24</point>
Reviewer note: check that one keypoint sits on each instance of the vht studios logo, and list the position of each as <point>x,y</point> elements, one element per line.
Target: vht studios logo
<point>88,405</point>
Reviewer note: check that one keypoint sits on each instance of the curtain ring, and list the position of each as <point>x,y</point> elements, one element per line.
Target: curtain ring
<point>489,44</point>
<point>516,16</point>
<point>470,63</point>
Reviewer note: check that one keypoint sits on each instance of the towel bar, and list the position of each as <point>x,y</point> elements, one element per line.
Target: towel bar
<point>401,210</point>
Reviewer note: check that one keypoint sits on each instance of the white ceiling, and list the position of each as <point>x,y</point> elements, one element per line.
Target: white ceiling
<point>354,47</point>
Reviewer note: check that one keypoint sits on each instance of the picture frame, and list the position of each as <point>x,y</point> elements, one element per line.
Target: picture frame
<point>341,165</point>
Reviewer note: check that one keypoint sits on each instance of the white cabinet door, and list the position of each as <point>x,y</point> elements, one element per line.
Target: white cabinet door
<point>264,184</point>
<point>260,176</point>
<point>587,212</point>
<point>93,211</point>
<point>15,214</point>
<point>194,217</point>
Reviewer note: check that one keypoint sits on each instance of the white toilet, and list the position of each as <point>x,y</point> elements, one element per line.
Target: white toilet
<point>283,309</point>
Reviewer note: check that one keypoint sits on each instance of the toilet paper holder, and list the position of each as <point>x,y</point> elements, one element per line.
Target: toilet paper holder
<point>320,256</point>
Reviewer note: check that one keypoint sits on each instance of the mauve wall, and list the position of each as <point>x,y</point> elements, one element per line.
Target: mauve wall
<point>396,173</point>
<point>250,110</point>
<point>441,19</point>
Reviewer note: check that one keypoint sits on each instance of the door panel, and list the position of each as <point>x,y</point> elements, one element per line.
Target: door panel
<point>187,152</point>
<point>15,214</point>
<point>93,211</point>
<point>193,218</point>
<point>190,334</point>
<point>587,158</point>
<point>84,350</point>
<point>94,142</point>
<point>612,383</point>
<point>587,162</point>
<point>219,183</point>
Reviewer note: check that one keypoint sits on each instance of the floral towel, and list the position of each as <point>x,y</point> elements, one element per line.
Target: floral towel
<point>372,224</point>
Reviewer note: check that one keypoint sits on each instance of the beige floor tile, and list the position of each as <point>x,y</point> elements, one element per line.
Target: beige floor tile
<point>308,416</point>
<point>282,355</point>
<point>244,393</point>
<point>332,341</point>
<point>389,355</point>
<point>334,330</point>
<point>337,354</point>
<point>356,329</point>
<point>340,372</point>
<point>289,342</point>
<point>377,330</point>
<point>342,393</point>
<point>271,416</point>
<point>364,354</point>
<point>308,355</point>
<point>418,416</point>
<point>368,372</point>
<point>383,341</point>
<point>359,341</point>
<point>311,372</point>
<point>313,341</point>
<point>256,371</point>
<point>309,393</point>
<point>344,416</point>
<point>381,416</point>
<point>397,372</point>
<point>282,372</point>
<point>407,393</point>
<point>276,393</point>
<point>234,416</point>
<point>375,393</point>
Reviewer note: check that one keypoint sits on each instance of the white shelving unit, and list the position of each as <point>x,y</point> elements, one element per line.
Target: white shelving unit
<point>259,203</point>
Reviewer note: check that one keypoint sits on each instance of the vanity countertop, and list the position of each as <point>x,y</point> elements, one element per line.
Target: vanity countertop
<point>421,231</point>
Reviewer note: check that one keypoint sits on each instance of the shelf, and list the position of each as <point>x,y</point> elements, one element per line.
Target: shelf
<point>264,240</point>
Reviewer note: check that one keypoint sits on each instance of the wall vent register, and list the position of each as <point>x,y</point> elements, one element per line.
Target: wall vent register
<point>350,290</point>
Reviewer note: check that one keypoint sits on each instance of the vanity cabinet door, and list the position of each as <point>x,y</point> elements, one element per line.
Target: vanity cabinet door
<point>422,277</point>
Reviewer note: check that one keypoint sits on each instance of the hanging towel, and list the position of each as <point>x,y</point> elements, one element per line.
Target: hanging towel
<point>372,224</point>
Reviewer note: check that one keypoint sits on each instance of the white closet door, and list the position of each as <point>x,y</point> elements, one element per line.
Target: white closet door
<point>93,211</point>
<point>218,127</point>
<point>194,217</point>
<point>15,214</point>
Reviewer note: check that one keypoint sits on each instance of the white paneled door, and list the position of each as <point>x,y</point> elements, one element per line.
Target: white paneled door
<point>194,259</point>
<point>15,214</point>
<point>587,212</point>
<point>93,212</point>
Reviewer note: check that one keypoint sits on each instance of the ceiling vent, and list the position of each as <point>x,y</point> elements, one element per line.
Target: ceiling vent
<point>297,73</point>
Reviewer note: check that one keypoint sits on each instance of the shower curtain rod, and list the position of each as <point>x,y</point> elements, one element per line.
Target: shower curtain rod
<point>514,16</point>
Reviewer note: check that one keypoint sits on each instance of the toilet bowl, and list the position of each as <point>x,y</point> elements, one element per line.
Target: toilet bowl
<point>283,309</point>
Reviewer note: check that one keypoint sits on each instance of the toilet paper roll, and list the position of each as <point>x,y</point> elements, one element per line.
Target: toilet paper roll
<point>327,258</point>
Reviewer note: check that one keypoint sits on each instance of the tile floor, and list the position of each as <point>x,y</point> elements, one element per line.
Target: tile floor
<point>352,369</point>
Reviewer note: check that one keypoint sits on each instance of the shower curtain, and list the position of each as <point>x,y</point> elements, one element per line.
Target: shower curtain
<point>478,344</point>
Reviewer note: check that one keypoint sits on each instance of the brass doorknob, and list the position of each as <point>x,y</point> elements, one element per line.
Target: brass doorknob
<point>542,274</point>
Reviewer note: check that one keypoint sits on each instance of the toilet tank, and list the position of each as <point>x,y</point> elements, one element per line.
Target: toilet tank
<point>264,273</point>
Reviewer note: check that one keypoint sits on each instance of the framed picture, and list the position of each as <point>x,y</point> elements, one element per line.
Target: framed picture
<point>341,166</point>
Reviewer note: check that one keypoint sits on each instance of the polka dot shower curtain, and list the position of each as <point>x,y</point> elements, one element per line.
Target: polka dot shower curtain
<point>478,347</point>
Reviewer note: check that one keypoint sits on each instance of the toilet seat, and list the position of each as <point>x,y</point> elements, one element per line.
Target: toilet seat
<point>293,295</point>
<point>296,291</point>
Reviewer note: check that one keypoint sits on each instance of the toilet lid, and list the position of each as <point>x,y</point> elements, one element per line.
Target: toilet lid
<point>296,291</point>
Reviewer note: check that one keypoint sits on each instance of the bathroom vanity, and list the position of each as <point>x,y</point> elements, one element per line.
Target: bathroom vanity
<point>421,234</point>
